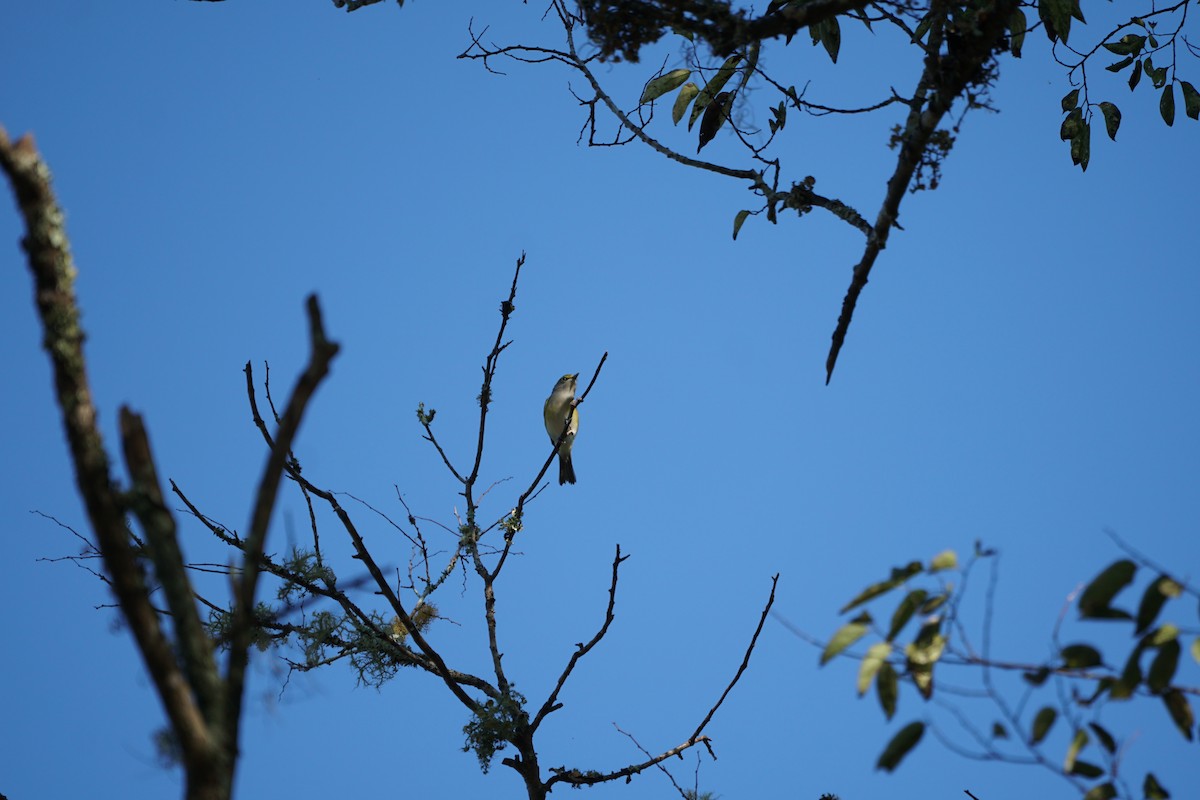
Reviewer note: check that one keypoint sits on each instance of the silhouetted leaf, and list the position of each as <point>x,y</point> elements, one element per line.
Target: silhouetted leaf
<point>1071,125</point>
<point>1112,118</point>
<point>1016,28</point>
<point>1162,668</point>
<point>1181,712</point>
<point>1128,45</point>
<point>846,635</point>
<point>904,612</point>
<point>1081,148</point>
<point>999,731</point>
<point>1080,656</point>
<point>1153,790</point>
<point>1042,722</point>
<point>1156,594</point>
<point>900,746</point>
<point>1135,76</point>
<point>923,27</point>
<point>1056,14</point>
<point>1086,768</point>
<point>1166,104</point>
<point>1105,791</point>
<point>1131,676</point>
<point>663,84</point>
<point>1036,678</point>
<point>1096,600</point>
<point>828,33</point>
<point>1191,100</point>
<point>1070,100</point>
<point>888,688</point>
<point>898,577</point>
<point>713,88</point>
<point>1196,649</point>
<point>714,117</point>
<point>1117,66</point>
<point>1106,739</point>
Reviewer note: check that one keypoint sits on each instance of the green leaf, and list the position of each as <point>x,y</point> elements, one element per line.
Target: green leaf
<point>999,731</point>
<point>846,635</point>
<point>1016,32</point>
<point>1056,14</point>
<point>1080,656</point>
<point>713,88</point>
<point>714,117</point>
<point>1070,100</point>
<point>1078,742</point>
<point>1106,739</point>
<point>1042,722</point>
<point>1166,104</point>
<point>1153,790</point>
<point>922,654</point>
<point>738,220</point>
<point>1105,791</point>
<point>1196,649</point>
<point>663,84</point>
<point>1112,119</point>
<point>1086,768</point>
<point>1161,635</point>
<point>1096,600</point>
<point>686,94</point>
<point>904,612</point>
<point>934,603</point>
<point>898,577</point>
<point>1135,76</point>
<point>875,658</point>
<point>1191,100</point>
<point>1153,599</point>
<point>900,745</point>
<point>947,559</point>
<point>888,688</point>
<point>1181,712</point>
<point>1162,668</point>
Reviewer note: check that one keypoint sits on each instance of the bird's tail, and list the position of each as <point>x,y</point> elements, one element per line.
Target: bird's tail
<point>566,470</point>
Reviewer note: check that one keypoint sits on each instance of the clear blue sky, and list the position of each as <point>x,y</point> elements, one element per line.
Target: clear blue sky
<point>1022,370</point>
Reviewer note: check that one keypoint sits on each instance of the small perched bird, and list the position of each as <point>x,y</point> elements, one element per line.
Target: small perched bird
<point>558,405</point>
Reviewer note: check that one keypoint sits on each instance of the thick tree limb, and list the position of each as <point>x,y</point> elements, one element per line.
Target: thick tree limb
<point>943,80</point>
<point>49,257</point>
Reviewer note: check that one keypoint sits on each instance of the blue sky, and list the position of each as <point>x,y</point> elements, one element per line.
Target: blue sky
<point>1022,370</point>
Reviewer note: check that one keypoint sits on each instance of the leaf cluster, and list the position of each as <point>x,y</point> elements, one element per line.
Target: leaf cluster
<point>1149,670</point>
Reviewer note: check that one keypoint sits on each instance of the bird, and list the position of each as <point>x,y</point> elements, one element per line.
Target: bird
<point>561,402</point>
